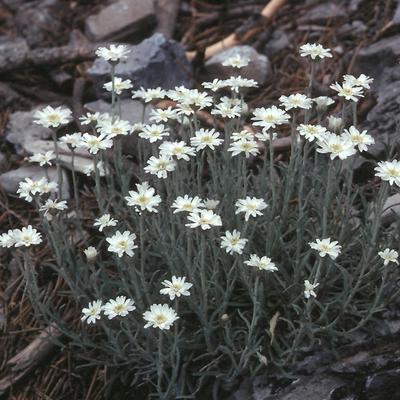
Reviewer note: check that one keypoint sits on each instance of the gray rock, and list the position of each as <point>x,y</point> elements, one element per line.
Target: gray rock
<point>259,67</point>
<point>278,42</point>
<point>21,130</point>
<point>10,180</point>
<point>391,209</point>
<point>41,22</point>
<point>355,28</point>
<point>121,19</point>
<point>328,11</point>
<point>41,146</point>
<point>396,17</point>
<point>3,162</point>
<point>9,97</point>
<point>156,61</point>
<point>382,385</point>
<point>355,4</point>
<point>14,49</point>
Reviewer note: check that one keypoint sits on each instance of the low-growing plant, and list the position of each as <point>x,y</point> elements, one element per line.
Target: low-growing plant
<point>218,256</point>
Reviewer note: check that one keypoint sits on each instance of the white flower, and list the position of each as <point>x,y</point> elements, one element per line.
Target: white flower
<point>326,247</point>
<point>144,198</point>
<point>89,118</point>
<point>211,204</point>
<point>312,132</point>
<point>163,115</point>
<point>43,159</point>
<point>27,236</point>
<point>176,149</point>
<point>263,263</point>
<point>389,255</point>
<point>194,99</point>
<point>251,206</point>
<point>215,85</point>
<point>236,61</point>
<point>50,117</point>
<point>205,138</point>
<point>297,100</point>
<point>359,139</point>
<point>309,289</point>
<point>248,147</point>
<point>89,169</point>
<point>160,316</point>
<point>148,95</point>
<point>119,85</point>
<point>347,91</point>
<point>389,171</point>
<point>337,146</point>
<point>29,188</point>
<point>53,205</point>
<point>7,239</point>
<point>92,312</point>
<point>237,82</point>
<point>314,50</point>
<point>226,111</point>
<point>265,135</point>
<point>204,218</point>
<point>335,123</point>
<point>121,243</point>
<point>118,127</point>
<point>269,117</point>
<point>363,81</point>
<point>121,306</point>
<point>95,143</point>
<point>115,53</point>
<point>104,221</point>
<point>176,287</point>
<point>232,243</point>
<point>242,135</point>
<point>323,102</point>
<point>73,139</point>
<point>160,166</point>
<point>153,132</point>
<point>187,204</point>
<point>90,253</point>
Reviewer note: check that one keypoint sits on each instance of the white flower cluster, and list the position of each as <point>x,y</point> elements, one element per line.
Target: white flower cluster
<point>25,237</point>
<point>29,188</point>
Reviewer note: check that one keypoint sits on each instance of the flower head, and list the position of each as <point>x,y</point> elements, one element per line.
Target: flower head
<point>160,316</point>
<point>248,147</point>
<point>90,253</point>
<point>326,247</point>
<point>27,236</point>
<point>144,198</point>
<point>92,312</point>
<point>176,287</point>
<point>121,306</point>
<point>270,117</point>
<point>114,53</point>
<point>121,243</point>
<point>204,218</point>
<point>314,50</point>
<point>153,132</point>
<point>251,206</point>
<point>74,139</point>
<point>360,139</point>
<point>232,242</point>
<point>44,158</point>
<point>311,132</point>
<point>297,100</point>
<point>363,81</point>
<point>263,263</point>
<point>205,138</point>
<point>95,143</point>
<point>349,92</point>
<point>337,146</point>
<point>389,171</point>
<point>187,204</point>
<point>52,206</point>
<point>160,166</point>
<point>104,221</point>
<point>389,255</point>
<point>236,61</point>
<point>119,85</point>
<point>50,117</point>
<point>309,289</point>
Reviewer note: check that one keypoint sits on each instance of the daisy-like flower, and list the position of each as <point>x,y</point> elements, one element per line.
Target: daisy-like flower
<point>297,100</point>
<point>242,135</point>
<point>160,316</point>
<point>93,312</point>
<point>121,306</point>
<point>389,171</point>
<point>153,132</point>
<point>363,81</point>
<point>7,239</point>
<point>121,243</point>
<point>211,204</point>
<point>263,263</point>
<point>232,102</point>
<point>160,166</point>
<point>144,198</point>
<point>389,255</point>
<point>204,218</point>
<point>335,124</point>
<point>265,136</point>
<point>29,188</point>
<point>248,147</point>
<point>205,138</point>
<point>89,169</point>
<point>232,242</point>
<point>226,111</point>
<point>74,139</point>
<point>90,253</point>
<point>359,139</point>
<point>251,206</point>
<point>215,85</point>
<point>119,85</point>
<point>27,236</point>
<point>326,247</point>
<point>347,91</point>
<point>176,149</point>
<point>163,115</point>
<point>176,287</point>
<point>337,146</point>
<point>50,117</point>
<point>118,127</point>
<point>104,221</point>
<point>44,158</point>
<point>95,143</point>
<point>323,102</point>
<point>314,50</point>
<point>148,95</point>
<point>195,99</point>
<point>237,82</point>
<point>311,132</point>
<point>270,117</point>
<point>236,61</point>
<point>89,118</point>
<point>187,204</point>
<point>51,206</point>
<point>309,289</point>
<point>113,54</point>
